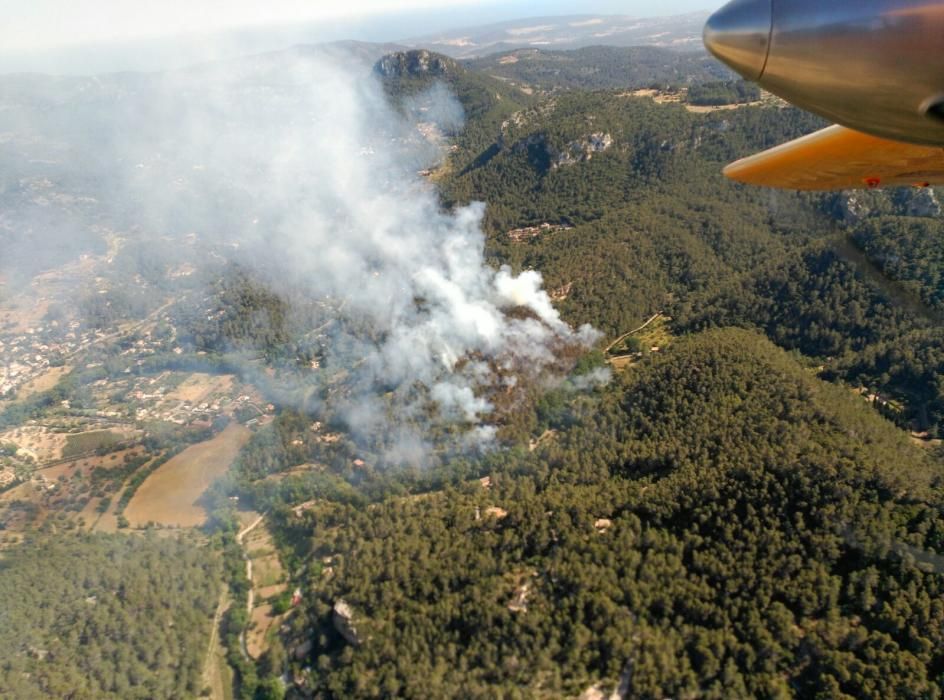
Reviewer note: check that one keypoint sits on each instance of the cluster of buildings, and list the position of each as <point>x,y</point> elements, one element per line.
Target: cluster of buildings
<point>154,398</point>
<point>25,356</point>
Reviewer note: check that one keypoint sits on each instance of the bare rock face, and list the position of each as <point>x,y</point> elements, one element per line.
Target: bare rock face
<point>542,152</point>
<point>602,524</point>
<point>344,623</point>
<point>415,63</point>
<point>924,203</point>
<point>851,208</point>
<point>601,691</point>
<point>584,149</point>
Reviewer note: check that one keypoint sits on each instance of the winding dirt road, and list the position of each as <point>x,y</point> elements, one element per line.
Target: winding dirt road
<point>252,594</point>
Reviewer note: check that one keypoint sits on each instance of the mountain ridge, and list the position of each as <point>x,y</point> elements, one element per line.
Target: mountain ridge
<point>568,32</point>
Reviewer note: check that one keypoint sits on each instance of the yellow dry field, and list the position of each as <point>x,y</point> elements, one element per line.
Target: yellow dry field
<point>266,567</point>
<point>23,312</point>
<point>92,440</point>
<point>16,519</point>
<point>85,465</point>
<point>107,521</point>
<point>660,97</point>
<point>169,496</point>
<point>708,109</point>
<point>89,515</point>
<point>261,622</point>
<point>217,673</point>
<point>43,382</point>
<point>45,445</point>
<point>657,335</point>
<point>246,517</point>
<point>268,591</point>
<point>23,493</point>
<point>100,522</point>
<point>267,571</point>
<point>657,96</point>
<point>622,362</point>
<point>198,388</point>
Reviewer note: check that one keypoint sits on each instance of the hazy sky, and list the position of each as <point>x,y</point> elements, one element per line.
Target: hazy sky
<point>81,37</point>
<point>45,24</point>
<point>38,25</point>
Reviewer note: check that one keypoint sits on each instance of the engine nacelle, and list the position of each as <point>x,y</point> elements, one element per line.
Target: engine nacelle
<point>872,65</point>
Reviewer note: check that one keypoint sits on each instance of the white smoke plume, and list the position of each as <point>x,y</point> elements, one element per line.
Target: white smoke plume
<point>305,166</point>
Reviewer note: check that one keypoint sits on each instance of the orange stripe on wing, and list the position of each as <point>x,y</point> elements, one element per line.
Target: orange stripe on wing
<point>838,158</point>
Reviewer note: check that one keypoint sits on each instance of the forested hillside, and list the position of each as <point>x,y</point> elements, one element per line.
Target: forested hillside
<point>736,491</point>
<point>106,617</point>
<point>718,524</point>
<point>410,73</point>
<point>719,521</point>
<point>600,67</point>
<point>642,221</point>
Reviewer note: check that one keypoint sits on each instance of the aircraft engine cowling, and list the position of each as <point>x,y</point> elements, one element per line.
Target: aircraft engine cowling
<point>872,65</point>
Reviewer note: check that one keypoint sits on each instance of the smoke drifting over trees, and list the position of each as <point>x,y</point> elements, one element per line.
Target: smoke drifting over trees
<point>301,171</point>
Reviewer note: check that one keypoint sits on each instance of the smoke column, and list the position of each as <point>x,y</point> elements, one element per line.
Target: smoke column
<point>301,163</point>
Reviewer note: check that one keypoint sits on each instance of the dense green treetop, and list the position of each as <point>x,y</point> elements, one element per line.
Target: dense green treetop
<point>106,616</point>
<point>720,523</point>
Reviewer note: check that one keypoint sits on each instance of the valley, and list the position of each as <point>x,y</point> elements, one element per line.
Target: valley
<point>718,494</point>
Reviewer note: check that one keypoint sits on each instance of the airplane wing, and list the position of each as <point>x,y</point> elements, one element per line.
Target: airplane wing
<point>838,158</point>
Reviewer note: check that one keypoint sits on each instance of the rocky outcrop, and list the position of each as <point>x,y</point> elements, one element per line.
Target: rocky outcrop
<point>519,601</point>
<point>542,152</point>
<point>584,149</point>
<point>851,209</point>
<point>302,650</point>
<point>601,691</point>
<point>602,524</point>
<point>343,620</point>
<point>415,64</point>
<point>855,206</point>
<point>923,203</point>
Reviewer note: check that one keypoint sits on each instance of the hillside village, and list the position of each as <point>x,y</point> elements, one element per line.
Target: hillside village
<point>25,357</point>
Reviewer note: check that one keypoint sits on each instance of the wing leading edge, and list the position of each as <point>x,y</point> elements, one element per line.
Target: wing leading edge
<point>838,158</point>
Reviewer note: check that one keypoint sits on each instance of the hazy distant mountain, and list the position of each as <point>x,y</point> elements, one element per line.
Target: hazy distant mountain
<point>569,32</point>
<point>600,67</point>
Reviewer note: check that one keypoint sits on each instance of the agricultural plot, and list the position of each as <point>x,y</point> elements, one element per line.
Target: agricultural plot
<point>201,388</point>
<point>170,495</point>
<point>43,444</point>
<point>43,382</point>
<point>81,443</point>
<point>36,442</point>
<point>71,489</point>
<point>653,336</point>
<point>268,583</point>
